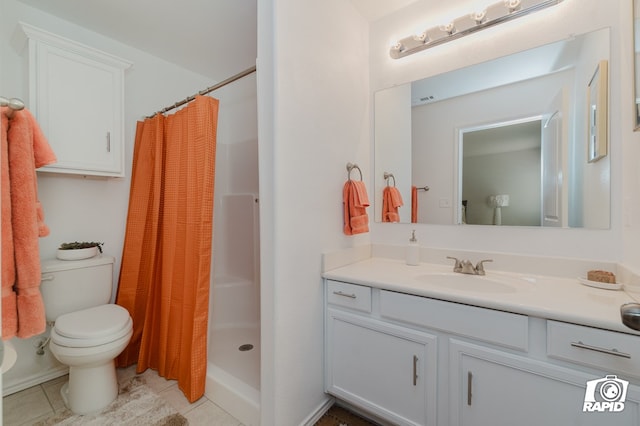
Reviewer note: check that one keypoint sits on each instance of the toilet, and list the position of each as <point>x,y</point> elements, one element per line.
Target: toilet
<point>88,332</point>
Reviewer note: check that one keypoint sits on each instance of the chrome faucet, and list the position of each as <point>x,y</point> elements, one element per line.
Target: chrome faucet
<point>466,267</point>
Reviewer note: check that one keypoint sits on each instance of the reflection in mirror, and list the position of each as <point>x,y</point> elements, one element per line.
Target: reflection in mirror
<point>636,51</point>
<point>501,183</point>
<point>456,134</point>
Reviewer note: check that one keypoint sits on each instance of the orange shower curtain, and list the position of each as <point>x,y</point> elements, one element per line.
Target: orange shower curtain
<point>164,277</point>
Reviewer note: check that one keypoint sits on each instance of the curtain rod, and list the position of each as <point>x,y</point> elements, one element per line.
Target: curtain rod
<point>207,90</point>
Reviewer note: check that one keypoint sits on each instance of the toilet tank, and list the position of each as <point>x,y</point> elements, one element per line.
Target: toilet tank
<point>72,285</point>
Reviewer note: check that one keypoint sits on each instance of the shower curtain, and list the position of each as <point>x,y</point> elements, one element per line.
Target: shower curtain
<point>164,277</point>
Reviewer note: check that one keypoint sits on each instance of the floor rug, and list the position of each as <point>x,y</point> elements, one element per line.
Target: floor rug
<point>338,416</point>
<point>136,405</point>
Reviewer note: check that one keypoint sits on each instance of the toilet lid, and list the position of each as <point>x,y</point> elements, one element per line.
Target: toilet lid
<point>93,323</point>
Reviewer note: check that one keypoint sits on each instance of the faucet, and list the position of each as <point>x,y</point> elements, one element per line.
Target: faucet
<point>466,267</point>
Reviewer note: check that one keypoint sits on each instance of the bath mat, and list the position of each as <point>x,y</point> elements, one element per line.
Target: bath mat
<point>338,416</point>
<point>136,405</point>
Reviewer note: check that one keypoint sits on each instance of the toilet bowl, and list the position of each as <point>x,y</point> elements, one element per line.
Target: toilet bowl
<point>88,332</point>
<point>88,342</point>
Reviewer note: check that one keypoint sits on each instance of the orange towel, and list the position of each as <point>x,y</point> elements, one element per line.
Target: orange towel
<point>391,200</point>
<point>355,201</point>
<point>414,204</point>
<point>24,148</point>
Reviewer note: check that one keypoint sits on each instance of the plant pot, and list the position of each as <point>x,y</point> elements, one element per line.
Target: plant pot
<point>77,254</point>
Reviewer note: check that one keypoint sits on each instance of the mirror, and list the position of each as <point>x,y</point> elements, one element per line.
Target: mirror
<point>636,55</point>
<point>503,142</point>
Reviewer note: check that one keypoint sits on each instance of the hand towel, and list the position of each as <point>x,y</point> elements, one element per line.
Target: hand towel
<point>414,204</point>
<point>391,200</point>
<point>27,149</point>
<point>354,202</point>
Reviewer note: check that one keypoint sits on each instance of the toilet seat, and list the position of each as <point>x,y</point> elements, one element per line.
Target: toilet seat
<point>92,327</point>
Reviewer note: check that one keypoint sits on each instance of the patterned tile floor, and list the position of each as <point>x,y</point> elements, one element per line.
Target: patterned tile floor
<point>38,402</point>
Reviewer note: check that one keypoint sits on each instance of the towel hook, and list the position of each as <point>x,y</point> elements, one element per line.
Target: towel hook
<point>351,166</point>
<point>388,176</point>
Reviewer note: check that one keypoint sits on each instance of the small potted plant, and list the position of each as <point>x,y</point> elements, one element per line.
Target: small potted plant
<point>79,250</point>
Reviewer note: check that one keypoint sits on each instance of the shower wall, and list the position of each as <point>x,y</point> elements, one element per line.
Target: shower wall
<point>233,371</point>
<point>235,260</point>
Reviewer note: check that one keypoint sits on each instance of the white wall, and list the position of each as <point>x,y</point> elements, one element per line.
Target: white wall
<point>569,17</point>
<point>92,209</point>
<point>314,117</point>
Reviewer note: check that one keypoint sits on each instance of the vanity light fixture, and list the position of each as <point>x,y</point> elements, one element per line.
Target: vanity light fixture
<point>494,14</point>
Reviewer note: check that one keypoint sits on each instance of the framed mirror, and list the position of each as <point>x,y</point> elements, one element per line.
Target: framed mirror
<point>459,142</point>
<point>636,56</point>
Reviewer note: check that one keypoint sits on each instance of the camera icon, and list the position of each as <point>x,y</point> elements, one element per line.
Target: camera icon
<point>606,394</point>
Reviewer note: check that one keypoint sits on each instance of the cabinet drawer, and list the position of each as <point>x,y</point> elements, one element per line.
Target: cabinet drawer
<point>351,296</point>
<point>501,328</point>
<point>609,351</point>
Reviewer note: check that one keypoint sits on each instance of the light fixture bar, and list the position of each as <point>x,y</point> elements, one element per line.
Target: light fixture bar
<point>497,13</point>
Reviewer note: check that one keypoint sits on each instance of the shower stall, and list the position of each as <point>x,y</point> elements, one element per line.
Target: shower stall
<point>233,369</point>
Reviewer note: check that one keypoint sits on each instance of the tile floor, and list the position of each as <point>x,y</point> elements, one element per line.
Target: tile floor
<point>37,403</point>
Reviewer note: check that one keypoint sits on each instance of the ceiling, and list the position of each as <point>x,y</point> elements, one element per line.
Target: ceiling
<point>215,38</point>
<point>376,9</point>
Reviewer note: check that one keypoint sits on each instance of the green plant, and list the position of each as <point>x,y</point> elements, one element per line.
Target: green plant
<point>80,245</point>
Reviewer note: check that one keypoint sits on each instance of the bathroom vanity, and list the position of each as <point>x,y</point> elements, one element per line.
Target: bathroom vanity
<point>420,345</point>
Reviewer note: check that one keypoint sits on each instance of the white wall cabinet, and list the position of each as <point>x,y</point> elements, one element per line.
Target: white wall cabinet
<point>77,95</point>
<point>475,366</point>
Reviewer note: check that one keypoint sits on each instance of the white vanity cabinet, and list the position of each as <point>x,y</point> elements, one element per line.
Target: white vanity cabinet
<point>474,366</point>
<point>490,387</point>
<point>77,95</point>
<point>385,369</point>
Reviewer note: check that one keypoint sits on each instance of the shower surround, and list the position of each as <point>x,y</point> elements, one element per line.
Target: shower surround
<point>233,369</point>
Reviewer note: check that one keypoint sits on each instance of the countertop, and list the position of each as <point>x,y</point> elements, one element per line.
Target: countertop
<point>561,299</point>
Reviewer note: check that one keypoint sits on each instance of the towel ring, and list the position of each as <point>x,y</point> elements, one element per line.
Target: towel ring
<point>351,166</point>
<point>388,176</point>
<point>13,103</point>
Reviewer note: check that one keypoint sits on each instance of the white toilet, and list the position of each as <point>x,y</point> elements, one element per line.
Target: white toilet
<point>89,332</point>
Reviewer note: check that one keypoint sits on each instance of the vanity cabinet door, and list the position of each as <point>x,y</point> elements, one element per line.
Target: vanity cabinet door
<point>77,95</point>
<point>384,369</point>
<point>490,387</point>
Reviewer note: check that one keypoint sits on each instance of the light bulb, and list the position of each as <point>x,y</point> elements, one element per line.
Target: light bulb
<point>420,37</point>
<point>479,16</point>
<point>448,28</point>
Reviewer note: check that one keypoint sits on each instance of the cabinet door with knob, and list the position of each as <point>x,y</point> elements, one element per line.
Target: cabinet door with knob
<point>387,370</point>
<point>490,387</point>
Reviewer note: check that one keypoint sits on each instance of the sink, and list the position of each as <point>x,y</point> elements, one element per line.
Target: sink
<point>8,356</point>
<point>475,283</point>
<point>630,313</point>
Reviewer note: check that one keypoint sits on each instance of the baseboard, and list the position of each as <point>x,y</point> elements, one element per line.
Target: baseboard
<point>318,412</point>
<point>362,413</point>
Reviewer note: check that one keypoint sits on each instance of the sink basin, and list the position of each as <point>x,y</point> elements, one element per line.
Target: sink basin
<point>630,313</point>
<point>475,283</point>
<point>8,356</point>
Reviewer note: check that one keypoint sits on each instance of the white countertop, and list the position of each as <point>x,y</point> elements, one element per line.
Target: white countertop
<point>562,299</point>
